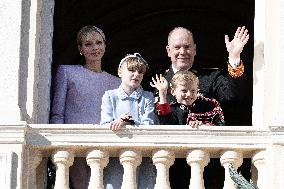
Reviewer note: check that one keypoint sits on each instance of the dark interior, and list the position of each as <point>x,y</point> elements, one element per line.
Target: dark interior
<point>143,26</point>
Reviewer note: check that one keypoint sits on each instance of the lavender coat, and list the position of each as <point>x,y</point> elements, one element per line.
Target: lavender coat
<point>78,94</point>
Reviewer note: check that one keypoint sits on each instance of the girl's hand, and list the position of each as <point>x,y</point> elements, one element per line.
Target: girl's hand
<point>120,122</point>
<point>160,83</point>
<point>125,116</point>
<point>195,124</point>
<point>116,124</point>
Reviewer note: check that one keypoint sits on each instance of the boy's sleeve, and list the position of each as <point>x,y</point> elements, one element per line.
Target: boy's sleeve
<point>166,115</point>
<point>163,109</point>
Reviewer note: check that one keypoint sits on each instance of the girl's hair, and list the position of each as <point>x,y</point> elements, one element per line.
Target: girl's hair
<point>134,62</point>
<point>87,30</point>
<point>184,78</point>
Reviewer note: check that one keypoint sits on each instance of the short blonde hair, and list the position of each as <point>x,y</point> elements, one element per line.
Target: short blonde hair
<point>184,78</point>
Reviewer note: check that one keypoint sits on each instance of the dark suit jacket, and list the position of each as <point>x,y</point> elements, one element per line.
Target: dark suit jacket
<point>215,83</point>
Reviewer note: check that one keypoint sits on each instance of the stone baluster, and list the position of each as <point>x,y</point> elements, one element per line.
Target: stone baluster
<point>163,159</point>
<point>129,159</point>
<point>234,157</point>
<point>259,162</point>
<point>62,160</point>
<point>35,158</point>
<point>97,160</point>
<point>197,159</point>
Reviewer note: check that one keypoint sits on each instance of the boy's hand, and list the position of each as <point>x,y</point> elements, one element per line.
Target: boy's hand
<point>160,83</point>
<point>195,124</point>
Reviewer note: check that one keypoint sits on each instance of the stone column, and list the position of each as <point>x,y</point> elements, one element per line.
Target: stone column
<point>97,160</point>
<point>258,64</point>
<point>259,162</point>
<point>234,157</point>
<point>274,63</point>
<point>197,159</point>
<point>10,38</point>
<point>35,158</point>
<point>129,159</point>
<point>274,164</point>
<point>163,159</point>
<point>62,160</point>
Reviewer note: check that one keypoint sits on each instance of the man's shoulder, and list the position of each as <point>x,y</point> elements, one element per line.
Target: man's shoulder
<point>165,71</point>
<point>168,74</point>
<point>210,73</point>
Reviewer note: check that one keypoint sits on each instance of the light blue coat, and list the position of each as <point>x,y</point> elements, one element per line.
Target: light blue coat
<point>140,104</point>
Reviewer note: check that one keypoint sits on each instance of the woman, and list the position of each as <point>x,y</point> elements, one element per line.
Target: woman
<point>79,90</point>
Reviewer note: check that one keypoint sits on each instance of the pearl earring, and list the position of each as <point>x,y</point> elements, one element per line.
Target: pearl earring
<point>81,54</point>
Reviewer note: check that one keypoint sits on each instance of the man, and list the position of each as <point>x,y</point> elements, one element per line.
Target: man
<point>226,87</point>
<point>213,84</point>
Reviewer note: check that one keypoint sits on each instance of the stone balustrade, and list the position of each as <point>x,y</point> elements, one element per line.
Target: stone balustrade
<point>162,143</point>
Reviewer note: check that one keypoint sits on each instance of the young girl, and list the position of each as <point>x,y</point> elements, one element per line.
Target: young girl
<point>129,104</point>
<point>189,108</point>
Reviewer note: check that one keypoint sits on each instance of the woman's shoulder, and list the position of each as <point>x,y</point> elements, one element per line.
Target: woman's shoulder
<point>69,68</point>
<point>110,75</point>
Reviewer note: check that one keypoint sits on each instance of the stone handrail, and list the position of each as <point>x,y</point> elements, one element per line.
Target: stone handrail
<point>162,143</point>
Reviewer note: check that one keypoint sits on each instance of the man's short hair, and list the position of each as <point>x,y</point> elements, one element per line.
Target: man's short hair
<point>179,28</point>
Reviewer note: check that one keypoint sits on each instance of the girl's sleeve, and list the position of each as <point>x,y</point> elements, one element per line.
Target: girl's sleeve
<point>149,116</point>
<point>106,109</point>
<point>57,115</point>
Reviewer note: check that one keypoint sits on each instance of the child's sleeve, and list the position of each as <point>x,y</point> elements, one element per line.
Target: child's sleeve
<point>166,115</point>
<point>163,109</point>
<point>106,109</point>
<point>149,116</point>
<point>218,120</point>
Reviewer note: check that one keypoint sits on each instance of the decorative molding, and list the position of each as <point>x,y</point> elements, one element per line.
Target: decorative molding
<point>12,134</point>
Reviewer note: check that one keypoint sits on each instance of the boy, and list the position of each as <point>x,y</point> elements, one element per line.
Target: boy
<point>190,108</point>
